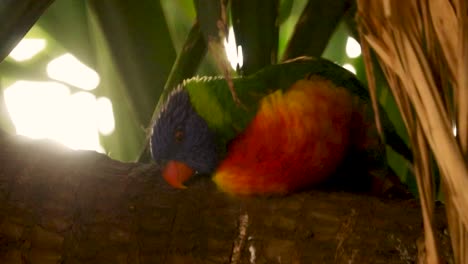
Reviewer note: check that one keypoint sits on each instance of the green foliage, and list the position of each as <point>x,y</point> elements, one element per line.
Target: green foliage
<point>17,17</point>
<point>317,23</point>
<point>256,30</point>
<point>141,51</point>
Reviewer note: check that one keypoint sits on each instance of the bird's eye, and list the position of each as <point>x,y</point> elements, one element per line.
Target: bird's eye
<point>179,136</point>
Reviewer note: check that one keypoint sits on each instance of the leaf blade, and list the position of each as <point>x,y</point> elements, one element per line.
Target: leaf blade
<point>16,18</point>
<point>315,27</point>
<point>256,30</point>
<point>141,46</point>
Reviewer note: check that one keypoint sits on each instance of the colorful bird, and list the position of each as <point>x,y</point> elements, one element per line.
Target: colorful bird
<point>297,123</point>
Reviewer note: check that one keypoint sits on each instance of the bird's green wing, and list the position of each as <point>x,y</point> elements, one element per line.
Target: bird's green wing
<point>213,100</point>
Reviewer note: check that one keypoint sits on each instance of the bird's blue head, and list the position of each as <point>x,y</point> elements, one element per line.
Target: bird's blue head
<point>182,140</point>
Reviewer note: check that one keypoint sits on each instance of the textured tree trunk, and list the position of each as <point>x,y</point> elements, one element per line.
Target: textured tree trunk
<point>62,206</point>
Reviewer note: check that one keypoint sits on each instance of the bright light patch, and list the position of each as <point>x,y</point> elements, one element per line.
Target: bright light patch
<point>27,48</point>
<point>48,110</point>
<point>350,68</point>
<point>240,56</point>
<point>81,131</point>
<point>233,52</point>
<point>69,69</point>
<point>33,107</point>
<point>105,116</point>
<point>353,49</point>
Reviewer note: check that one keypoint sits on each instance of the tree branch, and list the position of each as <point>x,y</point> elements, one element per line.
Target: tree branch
<point>62,206</point>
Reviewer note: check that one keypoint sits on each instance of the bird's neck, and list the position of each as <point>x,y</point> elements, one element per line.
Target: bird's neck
<point>213,101</point>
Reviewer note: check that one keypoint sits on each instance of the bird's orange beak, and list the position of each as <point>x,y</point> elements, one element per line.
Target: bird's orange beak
<point>176,173</point>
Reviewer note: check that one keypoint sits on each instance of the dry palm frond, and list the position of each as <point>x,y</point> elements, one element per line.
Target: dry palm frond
<point>422,47</point>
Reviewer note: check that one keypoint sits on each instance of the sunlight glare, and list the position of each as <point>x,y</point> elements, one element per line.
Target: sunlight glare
<point>353,48</point>
<point>80,131</point>
<point>33,107</point>
<point>240,56</point>
<point>67,68</point>
<point>27,48</point>
<point>48,110</point>
<point>233,52</point>
<point>105,116</point>
<point>350,68</point>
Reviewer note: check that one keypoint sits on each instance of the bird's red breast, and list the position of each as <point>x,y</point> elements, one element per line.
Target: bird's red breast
<point>298,138</point>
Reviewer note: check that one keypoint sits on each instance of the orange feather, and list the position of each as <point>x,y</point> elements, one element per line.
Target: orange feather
<point>297,139</point>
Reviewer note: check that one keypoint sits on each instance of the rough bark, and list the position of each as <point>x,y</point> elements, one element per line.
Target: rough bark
<point>62,206</point>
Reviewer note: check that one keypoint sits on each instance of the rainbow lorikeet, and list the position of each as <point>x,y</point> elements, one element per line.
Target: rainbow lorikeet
<point>297,123</point>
